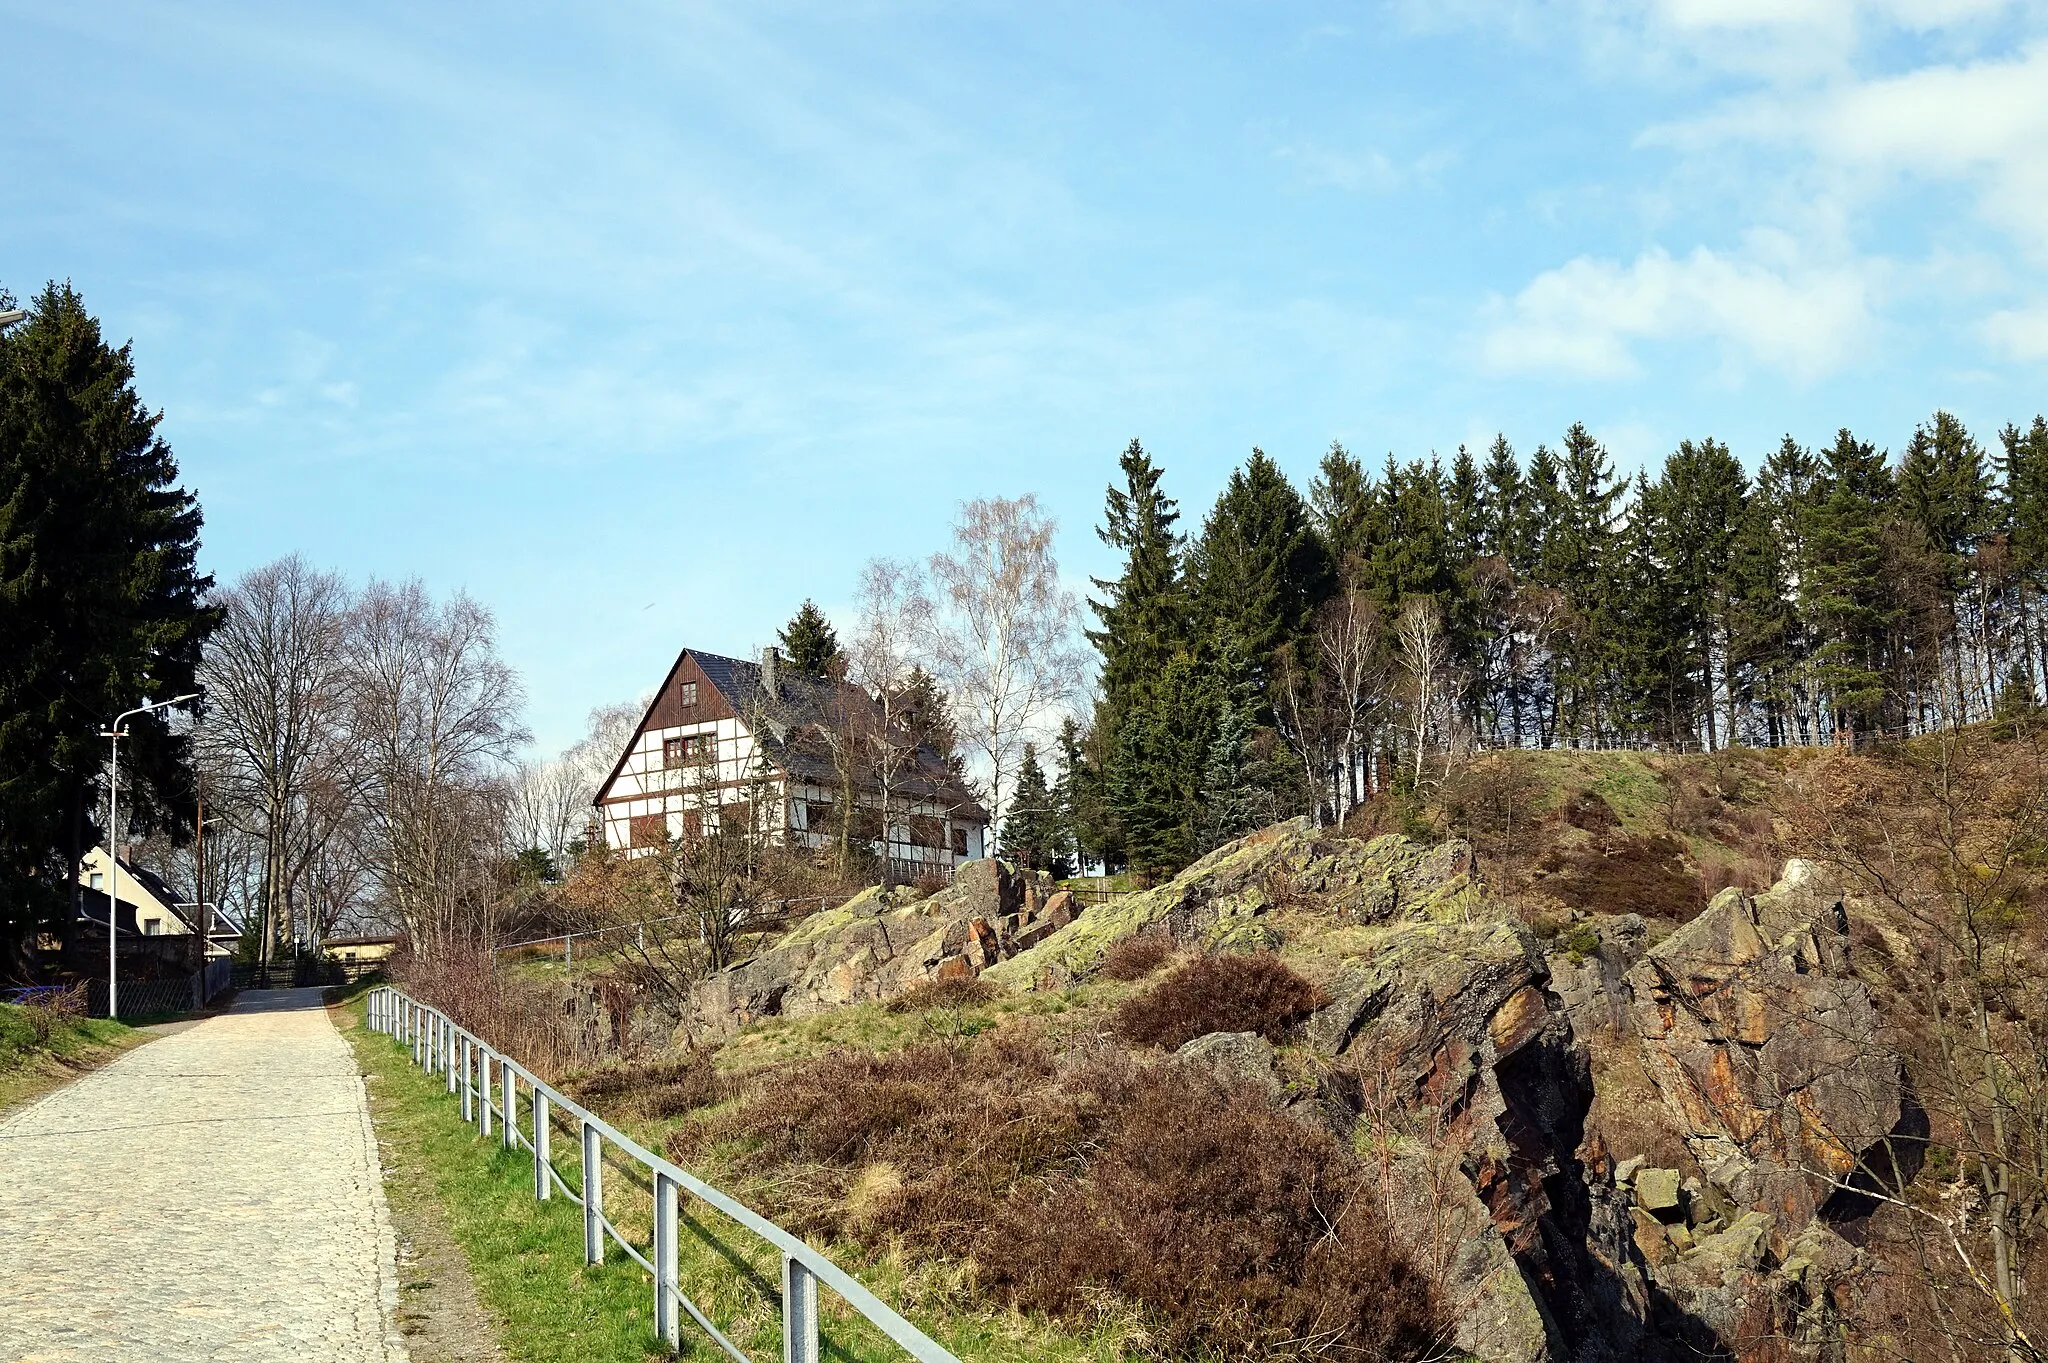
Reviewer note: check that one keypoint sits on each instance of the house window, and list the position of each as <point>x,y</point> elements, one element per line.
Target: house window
<point>677,752</point>
<point>818,815</point>
<point>926,831</point>
<point>99,882</point>
<point>647,830</point>
<point>737,817</point>
<point>693,824</point>
<point>152,926</point>
<point>959,841</point>
<point>689,690</point>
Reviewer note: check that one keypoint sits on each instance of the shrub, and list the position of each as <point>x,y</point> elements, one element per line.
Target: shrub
<point>954,993</point>
<point>1235,1229</point>
<point>1238,993</point>
<point>1136,957</point>
<point>660,1090</point>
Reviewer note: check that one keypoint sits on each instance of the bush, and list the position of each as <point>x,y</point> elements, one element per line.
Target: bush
<point>1235,1229</point>
<point>1239,993</point>
<point>1136,957</point>
<point>661,1090</point>
<point>954,993</point>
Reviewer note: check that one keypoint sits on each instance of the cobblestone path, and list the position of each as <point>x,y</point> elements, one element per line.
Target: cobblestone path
<point>212,1195</point>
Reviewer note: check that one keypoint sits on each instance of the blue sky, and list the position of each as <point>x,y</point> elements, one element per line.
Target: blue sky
<point>644,323</point>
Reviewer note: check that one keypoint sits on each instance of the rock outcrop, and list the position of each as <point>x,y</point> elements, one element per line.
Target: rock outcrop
<point>877,946</point>
<point>1768,1051</point>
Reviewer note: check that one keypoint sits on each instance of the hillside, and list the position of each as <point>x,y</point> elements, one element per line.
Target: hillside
<point>1593,1056</point>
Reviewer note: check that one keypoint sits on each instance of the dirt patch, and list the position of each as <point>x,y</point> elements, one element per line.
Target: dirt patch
<point>438,1310</point>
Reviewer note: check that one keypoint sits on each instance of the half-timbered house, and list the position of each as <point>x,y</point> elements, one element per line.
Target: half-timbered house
<point>762,742</point>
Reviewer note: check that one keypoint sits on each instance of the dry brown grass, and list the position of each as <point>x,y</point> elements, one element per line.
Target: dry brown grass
<point>954,993</point>
<point>1238,993</point>
<point>1235,1230</point>
<point>1136,957</point>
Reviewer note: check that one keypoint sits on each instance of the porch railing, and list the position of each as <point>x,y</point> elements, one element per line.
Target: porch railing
<point>490,1084</point>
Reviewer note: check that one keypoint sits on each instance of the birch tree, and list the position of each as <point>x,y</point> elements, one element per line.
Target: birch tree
<point>1005,632</point>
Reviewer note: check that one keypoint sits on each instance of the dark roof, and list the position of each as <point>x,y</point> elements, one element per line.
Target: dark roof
<point>804,694</point>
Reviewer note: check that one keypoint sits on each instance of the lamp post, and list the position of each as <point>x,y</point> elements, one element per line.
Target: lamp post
<point>10,317</point>
<point>114,736</point>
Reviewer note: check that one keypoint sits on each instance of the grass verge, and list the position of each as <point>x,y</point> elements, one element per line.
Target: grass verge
<point>526,1256</point>
<point>31,1065</point>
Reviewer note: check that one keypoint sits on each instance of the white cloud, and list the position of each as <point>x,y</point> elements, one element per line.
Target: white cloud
<point>1585,318</point>
<point>2020,332</point>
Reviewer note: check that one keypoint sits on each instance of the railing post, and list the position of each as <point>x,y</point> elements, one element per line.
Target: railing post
<point>593,1195</point>
<point>667,1311</point>
<point>448,1053</point>
<point>412,1027</point>
<point>543,1131</point>
<point>508,1114</point>
<point>483,1095</point>
<point>468,1057</point>
<point>799,1312</point>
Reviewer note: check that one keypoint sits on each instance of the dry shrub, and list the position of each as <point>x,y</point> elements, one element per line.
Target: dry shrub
<point>1748,875</point>
<point>515,1016</point>
<point>1621,874</point>
<point>660,1090</point>
<point>1241,993</point>
<point>1587,810</point>
<point>953,993</point>
<point>1136,957</point>
<point>1235,1229</point>
<point>48,1013</point>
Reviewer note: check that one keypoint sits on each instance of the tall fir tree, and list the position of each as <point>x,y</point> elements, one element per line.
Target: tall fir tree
<point>809,642</point>
<point>1259,569</point>
<point>101,604</point>
<point>1842,592</point>
<point>1031,827</point>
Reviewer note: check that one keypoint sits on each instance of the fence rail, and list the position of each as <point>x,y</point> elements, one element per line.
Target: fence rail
<point>489,1085</point>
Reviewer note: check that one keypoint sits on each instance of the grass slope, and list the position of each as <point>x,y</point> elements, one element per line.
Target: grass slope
<point>526,1256</point>
<point>31,1065</point>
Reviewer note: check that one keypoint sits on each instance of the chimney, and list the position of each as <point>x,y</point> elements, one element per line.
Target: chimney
<point>771,672</point>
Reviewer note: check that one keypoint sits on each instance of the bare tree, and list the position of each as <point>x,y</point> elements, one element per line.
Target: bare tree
<point>1005,631</point>
<point>1429,679</point>
<point>273,725</point>
<point>435,713</point>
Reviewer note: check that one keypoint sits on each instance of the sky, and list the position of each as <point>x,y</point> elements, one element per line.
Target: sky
<point>641,323</point>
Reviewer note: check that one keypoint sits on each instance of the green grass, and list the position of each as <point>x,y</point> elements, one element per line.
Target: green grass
<point>30,1065</point>
<point>526,1256</point>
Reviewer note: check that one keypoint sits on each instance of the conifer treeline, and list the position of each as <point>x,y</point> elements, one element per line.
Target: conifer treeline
<point>1301,652</point>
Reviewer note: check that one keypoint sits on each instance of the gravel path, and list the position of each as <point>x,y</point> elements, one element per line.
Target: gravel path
<point>212,1195</point>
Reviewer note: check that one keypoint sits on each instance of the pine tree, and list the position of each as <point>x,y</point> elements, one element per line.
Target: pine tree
<point>1700,501</point>
<point>1143,612</point>
<point>1502,495</point>
<point>101,603</point>
<point>1259,570</point>
<point>1078,798</point>
<point>1230,795</point>
<point>1157,765</point>
<point>1346,510</point>
<point>809,642</point>
<point>1031,828</point>
<point>1842,592</point>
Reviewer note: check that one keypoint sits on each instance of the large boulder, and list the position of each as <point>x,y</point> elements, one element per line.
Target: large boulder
<point>1222,902</point>
<point>1463,1054</point>
<point>879,944</point>
<point>1768,1052</point>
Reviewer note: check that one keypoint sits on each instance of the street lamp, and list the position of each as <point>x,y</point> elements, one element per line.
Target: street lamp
<point>10,317</point>
<point>114,737</point>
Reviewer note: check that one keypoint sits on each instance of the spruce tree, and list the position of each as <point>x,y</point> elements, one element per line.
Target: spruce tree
<point>809,642</point>
<point>1502,495</point>
<point>1700,501</point>
<point>1230,794</point>
<point>101,604</point>
<point>1143,612</point>
<point>1259,569</point>
<point>1843,593</point>
<point>1157,765</point>
<point>1345,507</point>
<point>1031,828</point>
<point>1078,798</point>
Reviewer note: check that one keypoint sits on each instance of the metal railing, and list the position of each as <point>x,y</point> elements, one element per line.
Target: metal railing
<point>440,1046</point>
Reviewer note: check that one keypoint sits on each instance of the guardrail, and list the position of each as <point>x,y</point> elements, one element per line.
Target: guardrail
<point>440,1046</point>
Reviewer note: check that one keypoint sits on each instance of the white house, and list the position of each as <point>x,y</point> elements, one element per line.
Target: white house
<point>697,758</point>
<point>149,907</point>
